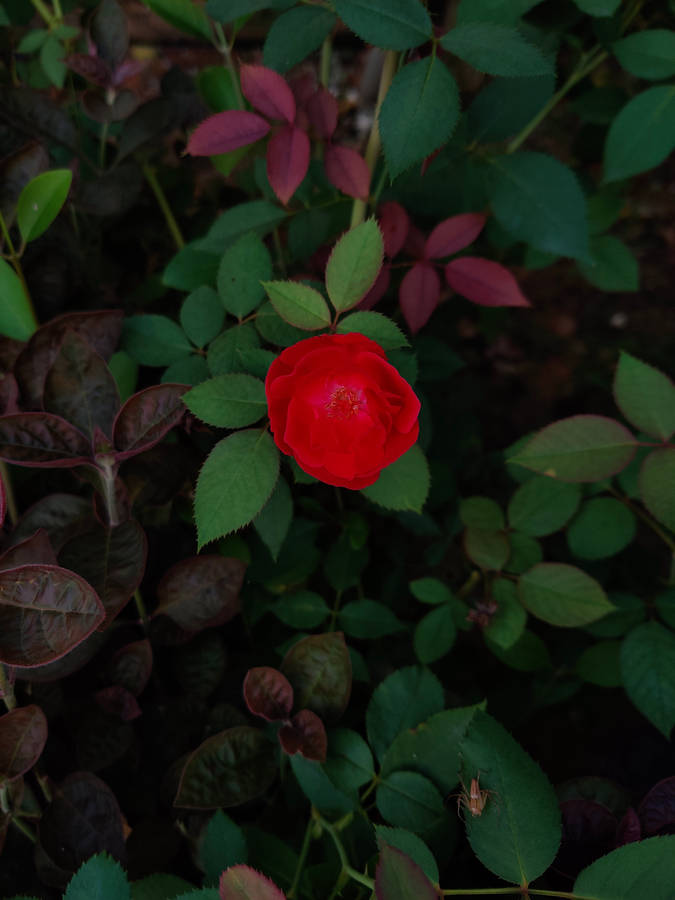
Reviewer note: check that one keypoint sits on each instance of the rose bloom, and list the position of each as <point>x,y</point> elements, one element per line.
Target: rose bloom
<point>340,409</point>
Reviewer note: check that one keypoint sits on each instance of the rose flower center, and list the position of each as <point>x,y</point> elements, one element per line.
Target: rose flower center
<point>343,403</point>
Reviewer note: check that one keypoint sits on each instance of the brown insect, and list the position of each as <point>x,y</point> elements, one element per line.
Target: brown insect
<point>474,799</point>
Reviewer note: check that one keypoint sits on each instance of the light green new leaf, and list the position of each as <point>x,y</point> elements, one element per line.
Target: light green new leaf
<point>404,484</point>
<point>496,50</point>
<point>17,319</point>
<point>228,401</point>
<point>391,24</point>
<point>633,872</point>
<point>563,595</point>
<point>354,265</point>
<point>298,304</point>
<point>40,202</point>
<point>645,396</point>
<point>647,54</point>
<point>234,484</point>
<point>642,135</point>
<point>657,485</point>
<point>244,265</point>
<point>377,327</point>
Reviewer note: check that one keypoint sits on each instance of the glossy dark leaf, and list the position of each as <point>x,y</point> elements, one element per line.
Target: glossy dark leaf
<point>201,591</point>
<point>45,611</point>
<point>61,516</point>
<point>228,769</point>
<point>657,810</point>
<point>226,131</point>
<point>287,161</point>
<point>41,439</point>
<point>35,549</point>
<point>119,702</point>
<point>268,92</point>
<point>146,417</point>
<point>399,878</point>
<point>268,693</point>
<point>628,830</point>
<point>244,883</point>
<point>131,666</point>
<point>305,734</point>
<point>23,734</point>
<point>320,671</point>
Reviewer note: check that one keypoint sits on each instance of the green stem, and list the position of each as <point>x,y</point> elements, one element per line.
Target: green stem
<point>302,858</point>
<point>373,146</point>
<point>335,611</point>
<point>58,12</point>
<point>6,687</point>
<point>26,829</point>
<point>324,65</point>
<point>225,49</point>
<point>16,265</point>
<point>344,862</point>
<point>45,12</point>
<point>6,479</point>
<point>369,790</point>
<point>163,204</point>
<point>646,518</point>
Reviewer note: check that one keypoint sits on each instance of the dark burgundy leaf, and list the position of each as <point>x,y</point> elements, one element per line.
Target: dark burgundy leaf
<point>9,394</point>
<point>201,591</point>
<point>320,671</point>
<point>267,92</point>
<point>454,234</point>
<point>303,87</point>
<point>394,225</point>
<point>118,701</point>
<point>45,611</point>
<point>589,831</point>
<point>657,810</point>
<point>378,290</point>
<point>628,829</point>
<point>146,417</point>
<point>35,549</point>
<point>101,329</point>
<point>9,348</point>
<point>228,769</point>
<point>111,560</point>
<point>65,665</point>
<point>419,294</point>
<point>226,131</point>
<point>80,388</point>
<point>101,740</point>
<point>305,734</point>
<point>61,515</point>
<point>23,734</point>
<point>131,666</point>
<point>243,883</point>
<point>287,161</point>
<point>347,170</point>
<point>398,877</point>
<point>322,112</point>
<point>268,693</point>
<point>484,282</point>
<point>92,68</point>
<point>415,242</point>
<point>42,440</point>
<point>83,818</point>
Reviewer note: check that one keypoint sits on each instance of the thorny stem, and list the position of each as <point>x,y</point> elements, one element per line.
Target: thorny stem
<point>16,265</point>
<point>302,858</point>
<point>6,479</point>
<point>163,203</point>
<point>373,146</point>
<point>6,688</point>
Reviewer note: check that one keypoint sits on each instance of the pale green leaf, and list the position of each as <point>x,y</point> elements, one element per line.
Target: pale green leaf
<point>228,401</point>
<point>563,595</point>
<point>354,265</point>
<point>17,320</point>
<point>404,484</point>
<point>40,202</point>
<point>298,304</point>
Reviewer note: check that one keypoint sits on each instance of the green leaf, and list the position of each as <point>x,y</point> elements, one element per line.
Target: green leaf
<point>391,24</point>
<point>244,265</point>
<point>190,268</point>
<point>404,484</point>
<point>160,887</point>
<point>274,329</point>
<point>647,54</point>
<point>154,340</point>
<point>229,10</point>
<point>508,623</point>
<point>99,878</point>
<point>274,519</point>
<point>543,505</point>
<point>504,12</point>
<point>525,553</point>
<point>487,549</point>
<point>124,370</point>
<point>430,590</point>
<point>302,609</point>
<point>350,763</point>
<point>581,448</point>
<point>629,612</point>
<point>496,50</point>
<point>183,15</point>
<point>637,870</point>
<point>52,53</point>
<point>409,800</point>
<point>411,845</point>
<point>518,833</point>
<point>538,200</point>
<point>528,654</point>
<point>648,669</point>
<point>259,216</point>
<point>225,354</point>
<point>435,634</point>
<point>601,8</point>
<point>228,401</point>
<point>404,699</point>
<point>506,105</point>
<point>40,202</point>
<point>320,790</point>
<point>368,619</point>
<point>296,34</point>
<point>418,114</point>
<point>398,877</point>
<point>481,512</point>
<point>612,267</point>
<point>189,370</point>
<point>17,319</point>
<point>642,135</point>
<point>600,664</point>
<point>354,264</point>
<point>603,527</point>
<point>298,304</point>
<point>563,595</point>
<point>222,845</point>
<point>202,315</point>
<point>377,327</point>
<point>657,485</point>
<point>645,396</point>
<point>234,484</point>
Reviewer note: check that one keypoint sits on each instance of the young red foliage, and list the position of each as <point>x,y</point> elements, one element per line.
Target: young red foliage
<point>453,234</point>
<point>484,282</point>
<point>226,131</point>
<point>347,170</point>
<point>287,161</point>
<point>419,294</point>
<point>268,92</point>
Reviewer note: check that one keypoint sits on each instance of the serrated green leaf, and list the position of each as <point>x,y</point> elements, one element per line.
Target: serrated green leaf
<point>40,202</point>
<point>410,800</point>
<point>320,790</point>
<point>613,267</point>
<point>603,527</point>
<point>368,619</point>
<point>160,886</point>
<point>648,671</point>
<point>183,15</point>
<point>225,353</point>
<point>202,315</point>
<point>99,878</point>
<point>350,762</point>
<point>377,327</point>
<point>404,484</point>
<point>543,505</point>
<point>508,623</point>
<point>298,304</point>
<point>274,519</point>
<point>435,634</point>
<point>188,370</point>
<point>525,552</point>
<point>657,485</point>
<point>496,50</point>
<point>228,401</point>
<point>17,319</point>
<point>430,590</point>
<point>645,396</point>
<point>528,654</point>
<point>234,484</point>
<point>222,845</point>
<point>294,35</point>
<point>487,549</point>
<point>354,265</point>
<point>154,340</point>
<point>506,105</point>
<point>563,595</point>
<point>481,512</point>
<point>391,24</point>
<point>647,54</point>
<point>190,268</point>
<point>504,12</point>
<point>641,869</point>
<point>244,265</point>
<point>642,135</point>
<point>301,609</point>
<point>259,216</point>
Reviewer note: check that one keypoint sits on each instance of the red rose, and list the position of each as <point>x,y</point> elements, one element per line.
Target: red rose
<point>340,409</point>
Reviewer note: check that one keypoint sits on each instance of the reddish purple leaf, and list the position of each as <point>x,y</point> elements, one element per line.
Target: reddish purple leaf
<point>303,86</point>
<point>201,591</point>
<point>146,417</point>
<point>322,112</point>
<point>588,831</point>
<point>628,829</point>
<point>394,225</point>
<point>42,440</point>
<point>347,170</point>
<point>415,242</point>
<point>45,611</point>
<point>61,515</point>
<point>92,68</point>
<point>320,671</point>
<point>131,666</point>
<point>305,734</point>
<point>453,234</point>
<point>378,290</point>
<point>35,549</point>
<point>9,394</point>
<point>287,161</point>
<point>23,734</point>
<point>226,131</point>
<point>268,693</point>
<point>118,701</point>
<point>419,294</point>
<point>268,92</point>
<point>398,877</point>
<point>484,282</point>
<point>243,883</point>
<point>657,810</point>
